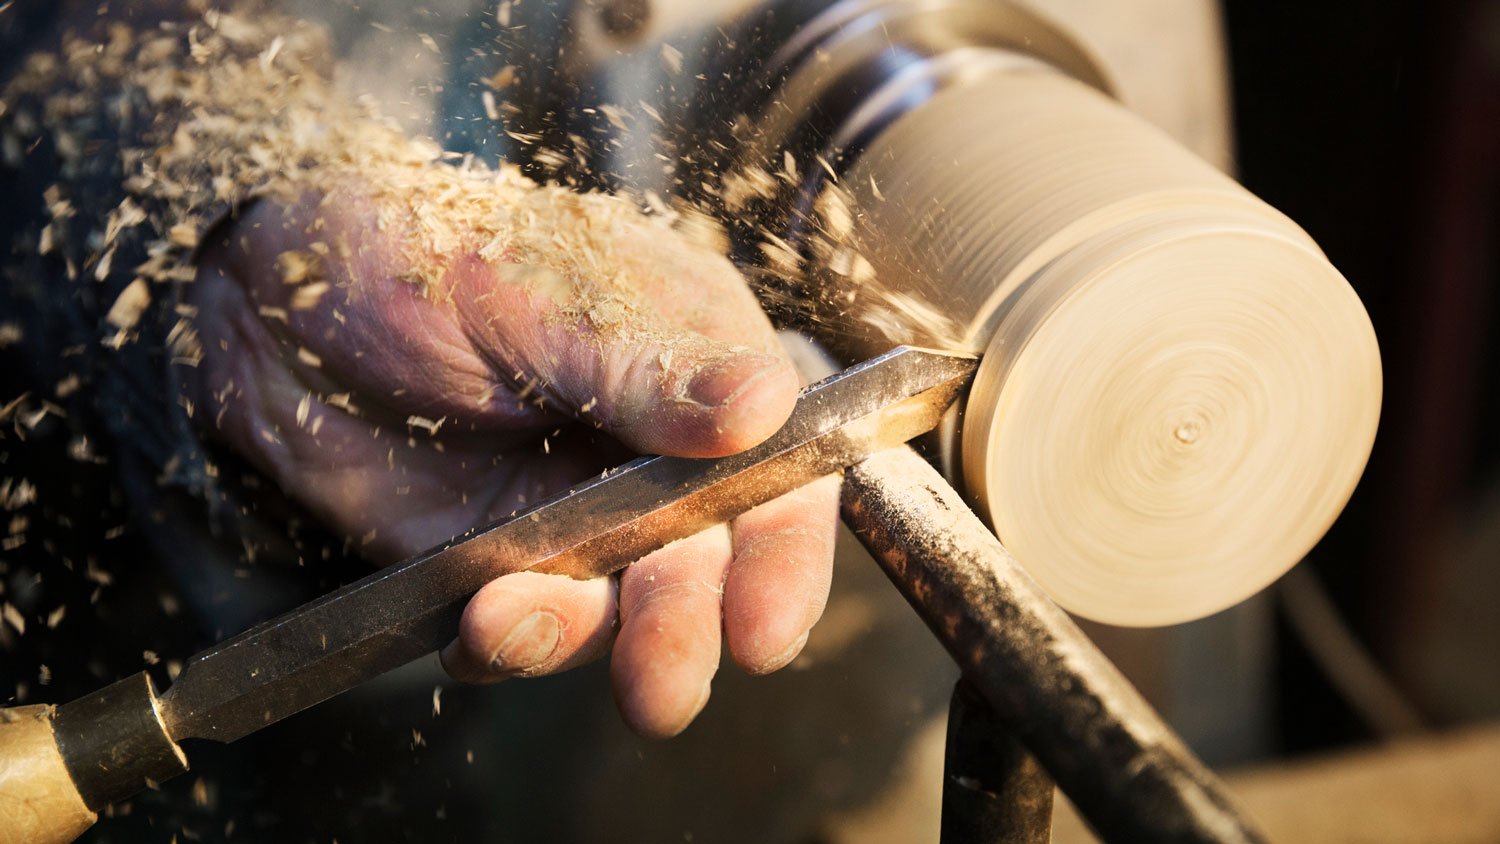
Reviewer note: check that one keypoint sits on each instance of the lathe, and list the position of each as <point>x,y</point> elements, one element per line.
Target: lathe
<point>1174,397</point>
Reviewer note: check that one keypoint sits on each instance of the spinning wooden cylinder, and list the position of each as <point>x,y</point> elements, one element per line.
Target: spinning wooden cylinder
<point>1179,391</point>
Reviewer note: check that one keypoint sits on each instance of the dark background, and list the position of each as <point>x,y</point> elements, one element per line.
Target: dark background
<point>1376,125</point>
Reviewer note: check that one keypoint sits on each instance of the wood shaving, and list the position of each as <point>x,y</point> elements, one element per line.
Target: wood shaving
<point>126,311</point>
<point>183,235</point>
<point>431,426</point>
<point>307,296</point>
<point>297,266</point>
<point>236,107</point>
<point>14,618</point>
<point>502,78</point>
<point>745,186</point>
<point>671,59</point>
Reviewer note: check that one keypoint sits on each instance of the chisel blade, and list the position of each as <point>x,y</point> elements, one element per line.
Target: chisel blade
<point>411,609</point>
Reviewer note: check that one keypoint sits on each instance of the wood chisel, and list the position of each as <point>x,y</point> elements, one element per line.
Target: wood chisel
<point>60,765</point>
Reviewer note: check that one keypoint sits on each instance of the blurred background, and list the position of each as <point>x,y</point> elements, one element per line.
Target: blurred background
<point>1373,123</point>
<point>1390,160</point>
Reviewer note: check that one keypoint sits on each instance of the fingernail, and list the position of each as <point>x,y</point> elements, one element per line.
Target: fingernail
<point>528,644</point>
<point>781,660</point>
<point>720,384</point>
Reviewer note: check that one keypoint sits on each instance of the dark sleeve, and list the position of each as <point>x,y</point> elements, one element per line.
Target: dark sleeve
<point>98,336</point>
<point>90,286</point>
<point>25,26</point>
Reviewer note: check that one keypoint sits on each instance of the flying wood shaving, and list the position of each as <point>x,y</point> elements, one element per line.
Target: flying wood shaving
<point>747,185</point>
<point>15,494</point>
<point>307,296</point>
<point>183,235</point>
<point>239,109</point>
<point>101,269</point>
<point>200,792</point>
<point>671,59</point>
<point>297,266</point>
<point>615,115</point>
<point>14,618</point>
<point>502,78</point>
<point>901,318</point>
<point>127,309</point>
<point>429,425</point>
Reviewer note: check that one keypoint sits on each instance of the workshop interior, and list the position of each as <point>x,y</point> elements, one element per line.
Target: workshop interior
<point>1187,310</point>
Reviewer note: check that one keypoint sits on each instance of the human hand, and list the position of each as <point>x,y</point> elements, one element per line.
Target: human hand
<point>406,387</point>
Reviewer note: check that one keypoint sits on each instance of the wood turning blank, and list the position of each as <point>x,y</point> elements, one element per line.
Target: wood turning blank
<point>1178,392</point>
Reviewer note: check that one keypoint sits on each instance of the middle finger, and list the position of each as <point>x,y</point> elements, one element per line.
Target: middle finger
<point>668,648</point>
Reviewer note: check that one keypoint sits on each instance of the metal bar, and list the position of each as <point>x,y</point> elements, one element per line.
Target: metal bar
<point>994,790</point>
<point>1128,774</point>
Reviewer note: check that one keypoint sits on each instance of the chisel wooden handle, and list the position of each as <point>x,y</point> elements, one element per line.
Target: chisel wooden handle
<point>39,804</point>
<point>60,765</point>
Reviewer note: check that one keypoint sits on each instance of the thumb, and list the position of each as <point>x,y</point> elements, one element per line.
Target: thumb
<point>657,387</point>
<point>604,331</point>
<point>702,398</point>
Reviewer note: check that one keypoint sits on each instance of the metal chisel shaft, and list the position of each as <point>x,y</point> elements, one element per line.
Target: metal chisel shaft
<point>123,738</point>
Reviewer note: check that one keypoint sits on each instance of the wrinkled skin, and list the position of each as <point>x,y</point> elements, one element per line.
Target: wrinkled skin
<point>596,396</point>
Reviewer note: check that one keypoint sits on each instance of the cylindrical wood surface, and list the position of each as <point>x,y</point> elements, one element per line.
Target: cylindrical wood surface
<point>38,802</point>
<point>1178,390</point>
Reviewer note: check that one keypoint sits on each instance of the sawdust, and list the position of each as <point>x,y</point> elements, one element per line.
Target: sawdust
<point>824,281</point>
<point>233,107</point>
<point>126,310</point>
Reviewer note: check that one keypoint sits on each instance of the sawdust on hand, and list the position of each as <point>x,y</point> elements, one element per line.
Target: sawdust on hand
<point>231,107</point>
